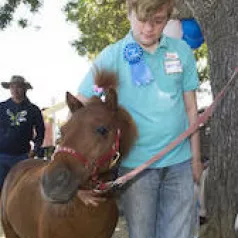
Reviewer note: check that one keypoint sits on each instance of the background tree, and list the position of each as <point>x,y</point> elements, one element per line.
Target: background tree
<point>201,55</point>
<point>9,7</point>
<point>218,19</point>
<point>101,22</point>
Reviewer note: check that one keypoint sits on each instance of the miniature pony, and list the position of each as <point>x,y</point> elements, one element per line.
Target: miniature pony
<point>39,198</point>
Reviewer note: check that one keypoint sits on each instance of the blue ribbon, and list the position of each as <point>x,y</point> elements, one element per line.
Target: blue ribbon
<point>140,72</point>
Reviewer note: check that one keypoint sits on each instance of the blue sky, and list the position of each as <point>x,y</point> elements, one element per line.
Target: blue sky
<point>43,55</point>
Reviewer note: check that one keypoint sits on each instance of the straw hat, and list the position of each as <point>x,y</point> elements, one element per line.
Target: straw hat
<point>16,79</point>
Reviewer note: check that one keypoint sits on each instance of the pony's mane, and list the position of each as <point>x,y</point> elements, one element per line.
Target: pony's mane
<point>108,80</point>
<point>105,79</point>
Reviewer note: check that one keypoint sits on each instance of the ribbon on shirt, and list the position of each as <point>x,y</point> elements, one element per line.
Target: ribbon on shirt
<point>140,72</point>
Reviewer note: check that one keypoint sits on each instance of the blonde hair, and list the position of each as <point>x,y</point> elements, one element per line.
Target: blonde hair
<point>144,9</point>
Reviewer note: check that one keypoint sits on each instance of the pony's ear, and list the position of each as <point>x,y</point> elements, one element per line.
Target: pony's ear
<point>72,102</point>
<point>111,99</point>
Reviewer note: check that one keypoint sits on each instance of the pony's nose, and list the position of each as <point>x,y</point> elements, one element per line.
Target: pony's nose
<point>102,130</point>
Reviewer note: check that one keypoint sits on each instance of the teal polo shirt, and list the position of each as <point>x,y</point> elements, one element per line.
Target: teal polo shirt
<point>157,108</point>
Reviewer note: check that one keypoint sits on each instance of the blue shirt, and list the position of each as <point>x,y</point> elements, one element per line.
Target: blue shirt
<point>157,108</point>
<point>17,125</point>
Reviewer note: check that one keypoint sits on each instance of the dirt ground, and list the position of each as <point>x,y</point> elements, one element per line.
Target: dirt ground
<point>1,232</point>
<point>121,229</point>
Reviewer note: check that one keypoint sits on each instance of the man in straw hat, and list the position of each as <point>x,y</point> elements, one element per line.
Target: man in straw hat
<point>20,122</point>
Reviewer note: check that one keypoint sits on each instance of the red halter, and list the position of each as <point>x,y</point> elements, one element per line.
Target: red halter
<point>114,152</point>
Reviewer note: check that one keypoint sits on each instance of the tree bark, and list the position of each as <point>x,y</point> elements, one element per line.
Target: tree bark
<point>219,23</point>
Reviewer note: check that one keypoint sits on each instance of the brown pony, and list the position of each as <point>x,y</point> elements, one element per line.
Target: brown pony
<point>39,198</point>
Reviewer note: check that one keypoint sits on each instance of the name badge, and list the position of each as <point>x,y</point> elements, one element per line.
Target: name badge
<point>173,66</point>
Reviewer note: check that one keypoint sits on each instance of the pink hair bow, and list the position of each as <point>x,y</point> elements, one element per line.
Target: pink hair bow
<point>97,89</point>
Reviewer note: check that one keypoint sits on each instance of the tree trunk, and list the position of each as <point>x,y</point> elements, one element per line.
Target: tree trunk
<point>219,23</point>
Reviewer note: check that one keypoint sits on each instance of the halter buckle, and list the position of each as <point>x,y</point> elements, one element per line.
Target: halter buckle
<point>114,161</point>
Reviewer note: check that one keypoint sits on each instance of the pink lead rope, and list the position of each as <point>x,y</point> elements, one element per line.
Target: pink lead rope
<point>201,120</point>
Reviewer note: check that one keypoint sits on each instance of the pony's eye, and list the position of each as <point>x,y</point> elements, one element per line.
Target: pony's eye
<point>102,130</point>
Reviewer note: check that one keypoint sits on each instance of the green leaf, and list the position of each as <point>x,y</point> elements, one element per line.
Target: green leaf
<point>100,22</point>
<point>8,9</point>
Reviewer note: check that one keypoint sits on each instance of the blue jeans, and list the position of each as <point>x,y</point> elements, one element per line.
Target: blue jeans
<point>7,162</point>
<point>159,203</point>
